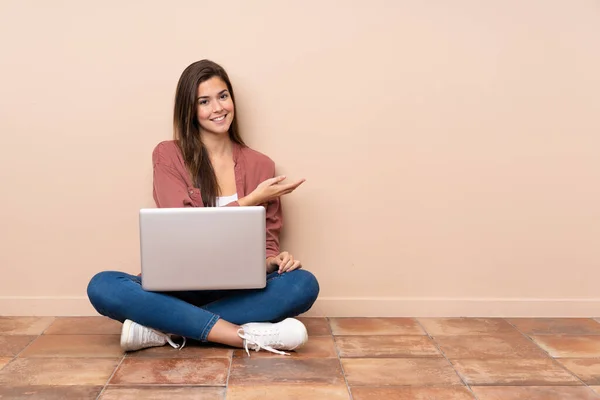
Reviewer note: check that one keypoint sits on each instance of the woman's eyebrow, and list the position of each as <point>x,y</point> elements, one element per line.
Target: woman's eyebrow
<point>206,97</point>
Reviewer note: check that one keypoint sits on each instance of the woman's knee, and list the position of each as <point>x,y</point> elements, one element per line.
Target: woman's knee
<point>100,289</point>
<point>306,286</point>
<point>97,283</point>
<point>310,283</point>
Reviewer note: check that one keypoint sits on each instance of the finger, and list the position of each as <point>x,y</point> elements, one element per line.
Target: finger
<point>297,264</point>
<point>283,255</point>
<point>297,183</point>
<point>288,265</point>
<point>290,187</point>
<point>283,263</point>
<point>276,179</point>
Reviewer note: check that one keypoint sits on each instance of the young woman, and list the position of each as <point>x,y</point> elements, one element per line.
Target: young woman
<point>209,165</point>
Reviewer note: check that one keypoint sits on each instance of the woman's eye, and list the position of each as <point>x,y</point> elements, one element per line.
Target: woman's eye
<point>203,102</point>
<point>224,96</point>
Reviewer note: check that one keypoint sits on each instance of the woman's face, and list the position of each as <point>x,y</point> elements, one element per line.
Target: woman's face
<point>215,107</point>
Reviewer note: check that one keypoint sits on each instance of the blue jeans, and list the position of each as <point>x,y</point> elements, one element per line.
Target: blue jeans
<point>192,314</point>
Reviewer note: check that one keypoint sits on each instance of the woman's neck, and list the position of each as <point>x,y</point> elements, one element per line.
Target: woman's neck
<point>218,146</point>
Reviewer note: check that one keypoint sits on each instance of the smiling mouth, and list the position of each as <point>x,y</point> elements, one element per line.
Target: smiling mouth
<point>219,119</point>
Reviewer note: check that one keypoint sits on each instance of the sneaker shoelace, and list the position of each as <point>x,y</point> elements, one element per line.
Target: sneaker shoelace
<point>270,337</point>
<point>155,336</point>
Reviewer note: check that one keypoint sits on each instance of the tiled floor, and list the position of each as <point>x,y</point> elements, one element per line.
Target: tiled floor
<point>359,358</point>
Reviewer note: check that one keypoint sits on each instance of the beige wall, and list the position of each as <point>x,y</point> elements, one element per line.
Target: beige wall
<point>450,148</point>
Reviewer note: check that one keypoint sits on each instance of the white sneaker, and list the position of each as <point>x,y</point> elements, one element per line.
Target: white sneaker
<point>288,334</point>
<point>135,337</point>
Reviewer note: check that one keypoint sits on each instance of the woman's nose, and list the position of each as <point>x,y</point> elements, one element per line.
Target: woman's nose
<point>217,107</point>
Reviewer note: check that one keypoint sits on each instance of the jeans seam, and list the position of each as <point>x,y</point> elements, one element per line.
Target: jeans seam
<point>208,327</point>
<point>274,277</point>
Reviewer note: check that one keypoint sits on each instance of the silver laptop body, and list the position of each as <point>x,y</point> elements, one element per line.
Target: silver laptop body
<point>203,248</point>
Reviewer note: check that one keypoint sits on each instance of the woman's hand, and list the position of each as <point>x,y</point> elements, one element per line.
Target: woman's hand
<point>269,190</point>
<point>284,262</point>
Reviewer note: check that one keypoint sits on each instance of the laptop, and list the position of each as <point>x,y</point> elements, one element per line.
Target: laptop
<point>203,248</point>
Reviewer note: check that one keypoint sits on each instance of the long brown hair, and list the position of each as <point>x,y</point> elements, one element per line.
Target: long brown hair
<point>186,129</point>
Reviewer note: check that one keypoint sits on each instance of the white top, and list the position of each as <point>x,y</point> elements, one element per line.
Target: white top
<point>223,201</point>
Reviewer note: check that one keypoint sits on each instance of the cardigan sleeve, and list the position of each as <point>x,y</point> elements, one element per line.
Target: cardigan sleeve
<point>170,188</point>
<point>274,217</point>
<point>274,223</point>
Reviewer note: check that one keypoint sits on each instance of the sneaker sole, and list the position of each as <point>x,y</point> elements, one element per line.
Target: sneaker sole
<point>125,331</point>
<point>300,324</point>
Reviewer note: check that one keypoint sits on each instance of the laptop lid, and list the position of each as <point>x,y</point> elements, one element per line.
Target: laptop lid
<point>203,248</point>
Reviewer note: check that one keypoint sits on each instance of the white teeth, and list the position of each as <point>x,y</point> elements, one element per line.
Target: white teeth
<point>219,119</point>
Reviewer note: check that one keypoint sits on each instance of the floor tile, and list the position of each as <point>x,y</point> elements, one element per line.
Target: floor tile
<point>316,326</point>
<point>316,347</point>
<point>24,325</point>
<point>163,393</point>
<point>185,371</point>
<point>465,326</point>
<point>514,372</point>
<point>11,345</point>
<point>399,371</point>
<point>57,371</point>
<point>4,361</point>
<point>375,326</point>
<point>569,346</point>
<point>386,346</point>
<point>487,346</point>
<point>74,346</point>
<point>412,393</point>
<point>534,393</point>
<point>586,369</point>
<point>554,326</point>
<point>288,392</point>
<point>84,326</point>
<point>50,392</point>
<point>189,351</point>
<point>267,371</point>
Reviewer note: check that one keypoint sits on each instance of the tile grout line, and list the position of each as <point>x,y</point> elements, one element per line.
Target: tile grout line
<point>111,376</point>
<point>329,325</point>
<point>548,354</point>
<point>228,374</point>
<point>446,358</point>
<point>22,350</point>
<point>28,344</point>
<point>337,352</point>
<point>39,335</point>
